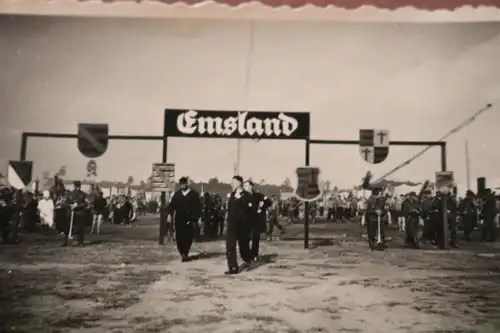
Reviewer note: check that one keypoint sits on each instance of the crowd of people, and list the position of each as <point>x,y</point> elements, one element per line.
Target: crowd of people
<point>245,214</point>
<point>61,210</point>
<point>420,216</point>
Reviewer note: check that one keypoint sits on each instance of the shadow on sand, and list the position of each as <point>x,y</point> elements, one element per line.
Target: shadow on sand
<point>263,260</point>
<point>206,255</point>
<point>314,242</point>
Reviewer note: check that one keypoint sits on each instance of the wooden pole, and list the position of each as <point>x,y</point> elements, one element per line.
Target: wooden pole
<point>467,165</point>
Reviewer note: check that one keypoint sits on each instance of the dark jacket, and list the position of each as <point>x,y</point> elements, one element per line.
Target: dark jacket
<point>80,199</point>
<point>185,208</point>
<point>240,208</point>
<point>260,205</point>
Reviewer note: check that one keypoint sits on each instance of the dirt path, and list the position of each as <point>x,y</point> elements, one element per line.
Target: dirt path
<point>337,288</point>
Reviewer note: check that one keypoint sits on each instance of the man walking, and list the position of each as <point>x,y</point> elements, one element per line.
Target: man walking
<point>185,210</point>
<point>260,204</point>
<point>239,211</point>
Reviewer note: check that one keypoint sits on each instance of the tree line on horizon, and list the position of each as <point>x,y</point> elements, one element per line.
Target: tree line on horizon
<point>213,185</point>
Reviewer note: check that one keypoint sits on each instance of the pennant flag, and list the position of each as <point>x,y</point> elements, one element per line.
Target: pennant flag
<point>19,174</point>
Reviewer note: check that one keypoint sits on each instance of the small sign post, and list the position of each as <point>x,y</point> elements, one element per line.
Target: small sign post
<point>163,177</point>
<point>444,185</point>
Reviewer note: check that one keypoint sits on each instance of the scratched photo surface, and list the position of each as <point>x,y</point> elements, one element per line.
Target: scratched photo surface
<point>414,82</point>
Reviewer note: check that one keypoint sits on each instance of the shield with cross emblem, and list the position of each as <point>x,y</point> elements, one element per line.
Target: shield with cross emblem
<point>374,145</point>
<point>308,188</point>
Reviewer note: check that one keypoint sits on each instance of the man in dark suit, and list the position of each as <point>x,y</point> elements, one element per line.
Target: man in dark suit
<point>239,211</point>
<point>80,212</point>
<point>261,204</point>
<point>488,231</point>
<point>185,209</point>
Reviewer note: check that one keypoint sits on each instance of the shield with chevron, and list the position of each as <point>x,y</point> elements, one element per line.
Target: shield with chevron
<point>308,188</point>
<point>374,145</point>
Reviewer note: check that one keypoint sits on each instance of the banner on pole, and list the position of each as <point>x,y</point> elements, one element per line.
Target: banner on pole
<point>19,174</point>
<point>444,181</point>
<point>163,177</point>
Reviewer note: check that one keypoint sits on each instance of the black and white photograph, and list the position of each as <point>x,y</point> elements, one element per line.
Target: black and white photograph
<point>245,174</point>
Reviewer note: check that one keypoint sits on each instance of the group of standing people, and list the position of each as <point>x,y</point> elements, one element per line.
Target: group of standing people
<point>422,217</point>
<point>247,214</point>
<point>67,212</point>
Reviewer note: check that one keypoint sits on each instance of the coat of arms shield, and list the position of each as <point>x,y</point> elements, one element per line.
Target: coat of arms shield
<point>93,139</point>
<point>374,145</point>
<point>308,188</point>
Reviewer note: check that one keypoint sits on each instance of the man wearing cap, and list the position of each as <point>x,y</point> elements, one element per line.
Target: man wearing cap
<point>374,210</point>
<point>79,207</point>
<point>488,232</point>
<point>441,202</point>
<point>411,209</point>
<point>185,209</point>
<point>239,212</point>
<point>260,204</point>
<point>99,207</point>
<point>468,214</point>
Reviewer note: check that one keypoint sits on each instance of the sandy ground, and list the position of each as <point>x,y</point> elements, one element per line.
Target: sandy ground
<point>124,282</point>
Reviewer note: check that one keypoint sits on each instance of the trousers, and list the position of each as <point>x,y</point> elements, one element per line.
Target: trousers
<point>238,234</point>
<point>184,234</point>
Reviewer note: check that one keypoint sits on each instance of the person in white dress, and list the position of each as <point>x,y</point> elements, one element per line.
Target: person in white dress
<point>46,209</point>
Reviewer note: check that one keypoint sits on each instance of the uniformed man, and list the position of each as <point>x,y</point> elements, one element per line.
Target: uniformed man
<point>411,209</point>
<point>239,211</point>
<point>451,207</point>
<point>375,206</point>
<point>260,204</point>
<point>208,216</point>
<point>274,212</point>
<point>429,211</point>
<point>7,211</point>
<point>62,213</point>
<point>468,214</point>
<point>220,214</point>
<point>29,212</point>
<point>99,208</point>
<point>185,210</point>
<point>164,221</point>
<point>488,232</point>
<point>79,207</point>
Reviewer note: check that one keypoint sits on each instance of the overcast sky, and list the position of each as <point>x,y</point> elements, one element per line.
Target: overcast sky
<point>417,81</point>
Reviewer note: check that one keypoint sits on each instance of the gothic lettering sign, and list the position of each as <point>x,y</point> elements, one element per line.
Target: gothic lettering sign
<point>235,124</point>
<point>308,188</point>
<point>374,145</point>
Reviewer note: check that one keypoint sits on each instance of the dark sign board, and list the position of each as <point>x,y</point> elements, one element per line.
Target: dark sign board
<point>236,124</point>
<point>444,181</point>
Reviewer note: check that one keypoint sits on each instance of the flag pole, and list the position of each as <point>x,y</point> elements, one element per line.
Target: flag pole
<point>467,164</point>
<point>246,84</point>
<point>238,157</point>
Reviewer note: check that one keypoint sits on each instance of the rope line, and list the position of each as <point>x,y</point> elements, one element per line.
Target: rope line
<point>456,129</point>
